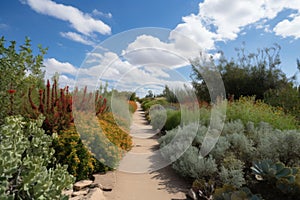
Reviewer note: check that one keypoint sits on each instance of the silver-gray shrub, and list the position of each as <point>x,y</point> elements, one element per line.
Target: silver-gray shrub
<point>243,144</point>
<point>231,172</point>
<point>192,165</point>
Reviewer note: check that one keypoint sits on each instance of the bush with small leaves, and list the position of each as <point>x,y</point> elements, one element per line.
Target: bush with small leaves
<point>231,172</point>
<point>70,151</point>
<point>25,154</point>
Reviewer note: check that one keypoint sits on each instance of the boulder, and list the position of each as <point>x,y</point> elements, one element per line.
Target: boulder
<point>82,184</point>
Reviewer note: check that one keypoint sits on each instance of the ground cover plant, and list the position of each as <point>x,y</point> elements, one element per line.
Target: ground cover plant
<point>26,154</point>
<point>241,144</point>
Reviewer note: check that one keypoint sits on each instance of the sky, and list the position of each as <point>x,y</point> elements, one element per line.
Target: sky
<point>141,45</point>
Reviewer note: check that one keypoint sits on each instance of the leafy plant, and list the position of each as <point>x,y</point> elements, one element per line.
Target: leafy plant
<point>247,109</point>
<point>20,69</point>
<point>132,106</point>
<point>70,151</point>
<point>204,189</point>
<point>285,178</point>
<point>228,192</point>
<point>25,154</point>
<point>55,104</point>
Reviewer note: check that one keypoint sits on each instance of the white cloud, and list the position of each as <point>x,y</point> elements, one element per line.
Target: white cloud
<point>77,38</point>
<point>193,28</point>
<point>99,13</point>
<point>80,21</point>
<point>288,28</point>
<point>52,65</point>
<point>229,17</point>
<point>149,50</point>
<point>223,20</point>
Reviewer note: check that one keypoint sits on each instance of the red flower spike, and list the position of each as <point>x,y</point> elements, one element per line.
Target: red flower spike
<point>11,91</point>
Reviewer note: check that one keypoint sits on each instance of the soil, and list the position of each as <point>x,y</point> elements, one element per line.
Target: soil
<point>141,174</point>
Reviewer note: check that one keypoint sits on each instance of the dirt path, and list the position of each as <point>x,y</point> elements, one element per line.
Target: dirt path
<point>137,177</point>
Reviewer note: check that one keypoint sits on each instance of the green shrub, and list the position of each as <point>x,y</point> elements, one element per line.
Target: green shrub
<point>192,165</point>
<point>247,110</point>
<point>69,150</point>
<point>146,105</point>
<point>25,154</point>
<point>231,172</point>
<point>237,147</point>
<point>20,69</point>
<point>173,119</point>
<point>228,192</point>
<point>158,117</point>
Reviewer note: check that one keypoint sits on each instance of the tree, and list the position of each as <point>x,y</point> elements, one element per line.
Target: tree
<point>150,94</point>
<point>170,95</point>
<point>20,70</point>
<point>250,74</point>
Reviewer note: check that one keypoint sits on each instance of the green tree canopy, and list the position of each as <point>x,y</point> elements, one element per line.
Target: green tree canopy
<point>250,74</point>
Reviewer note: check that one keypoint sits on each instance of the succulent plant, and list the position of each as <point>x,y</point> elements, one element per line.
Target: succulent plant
<point>204,189</point>
<point>228,192</point>
<point>286,179</point>
<point>266,169</point>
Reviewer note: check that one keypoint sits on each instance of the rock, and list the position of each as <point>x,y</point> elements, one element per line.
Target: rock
<point>67,192</point>
<point>82,184</point>
<point>95,194</point>
<point>191,194</point>
<point>105,181</point>
<point>81,192</point>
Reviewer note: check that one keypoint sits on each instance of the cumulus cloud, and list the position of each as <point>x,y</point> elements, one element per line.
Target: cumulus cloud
<point>77,38</point>
<point>52,65</point>
<point>223,20</point>
<point>288,28</point>
<point>149,50</point>
<point>193,28</point>
<point>80,21</point>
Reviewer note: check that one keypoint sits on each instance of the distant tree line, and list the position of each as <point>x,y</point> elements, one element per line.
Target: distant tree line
<point>250,74</point>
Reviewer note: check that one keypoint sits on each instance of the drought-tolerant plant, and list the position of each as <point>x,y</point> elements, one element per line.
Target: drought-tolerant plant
<point>173,119</point>
<point>158,117</point>
<point>228,192</point>
<point>204,189</point>
<point>20,69</point>
<point>55,104</point>
<point>247,109</point>
<point>132,106</point>
<point>237,147</point>
<point>70,151</point>
<point>115,133</point>
<point>25,153</point>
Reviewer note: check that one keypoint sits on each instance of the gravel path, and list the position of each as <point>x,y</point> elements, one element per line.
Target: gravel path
<point>140,176</point>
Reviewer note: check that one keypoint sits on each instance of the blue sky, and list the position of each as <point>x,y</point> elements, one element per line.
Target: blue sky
<point>73,30</point>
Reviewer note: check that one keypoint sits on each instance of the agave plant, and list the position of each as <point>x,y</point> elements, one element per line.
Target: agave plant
<point>266,169</point>
<point>286,179</point>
